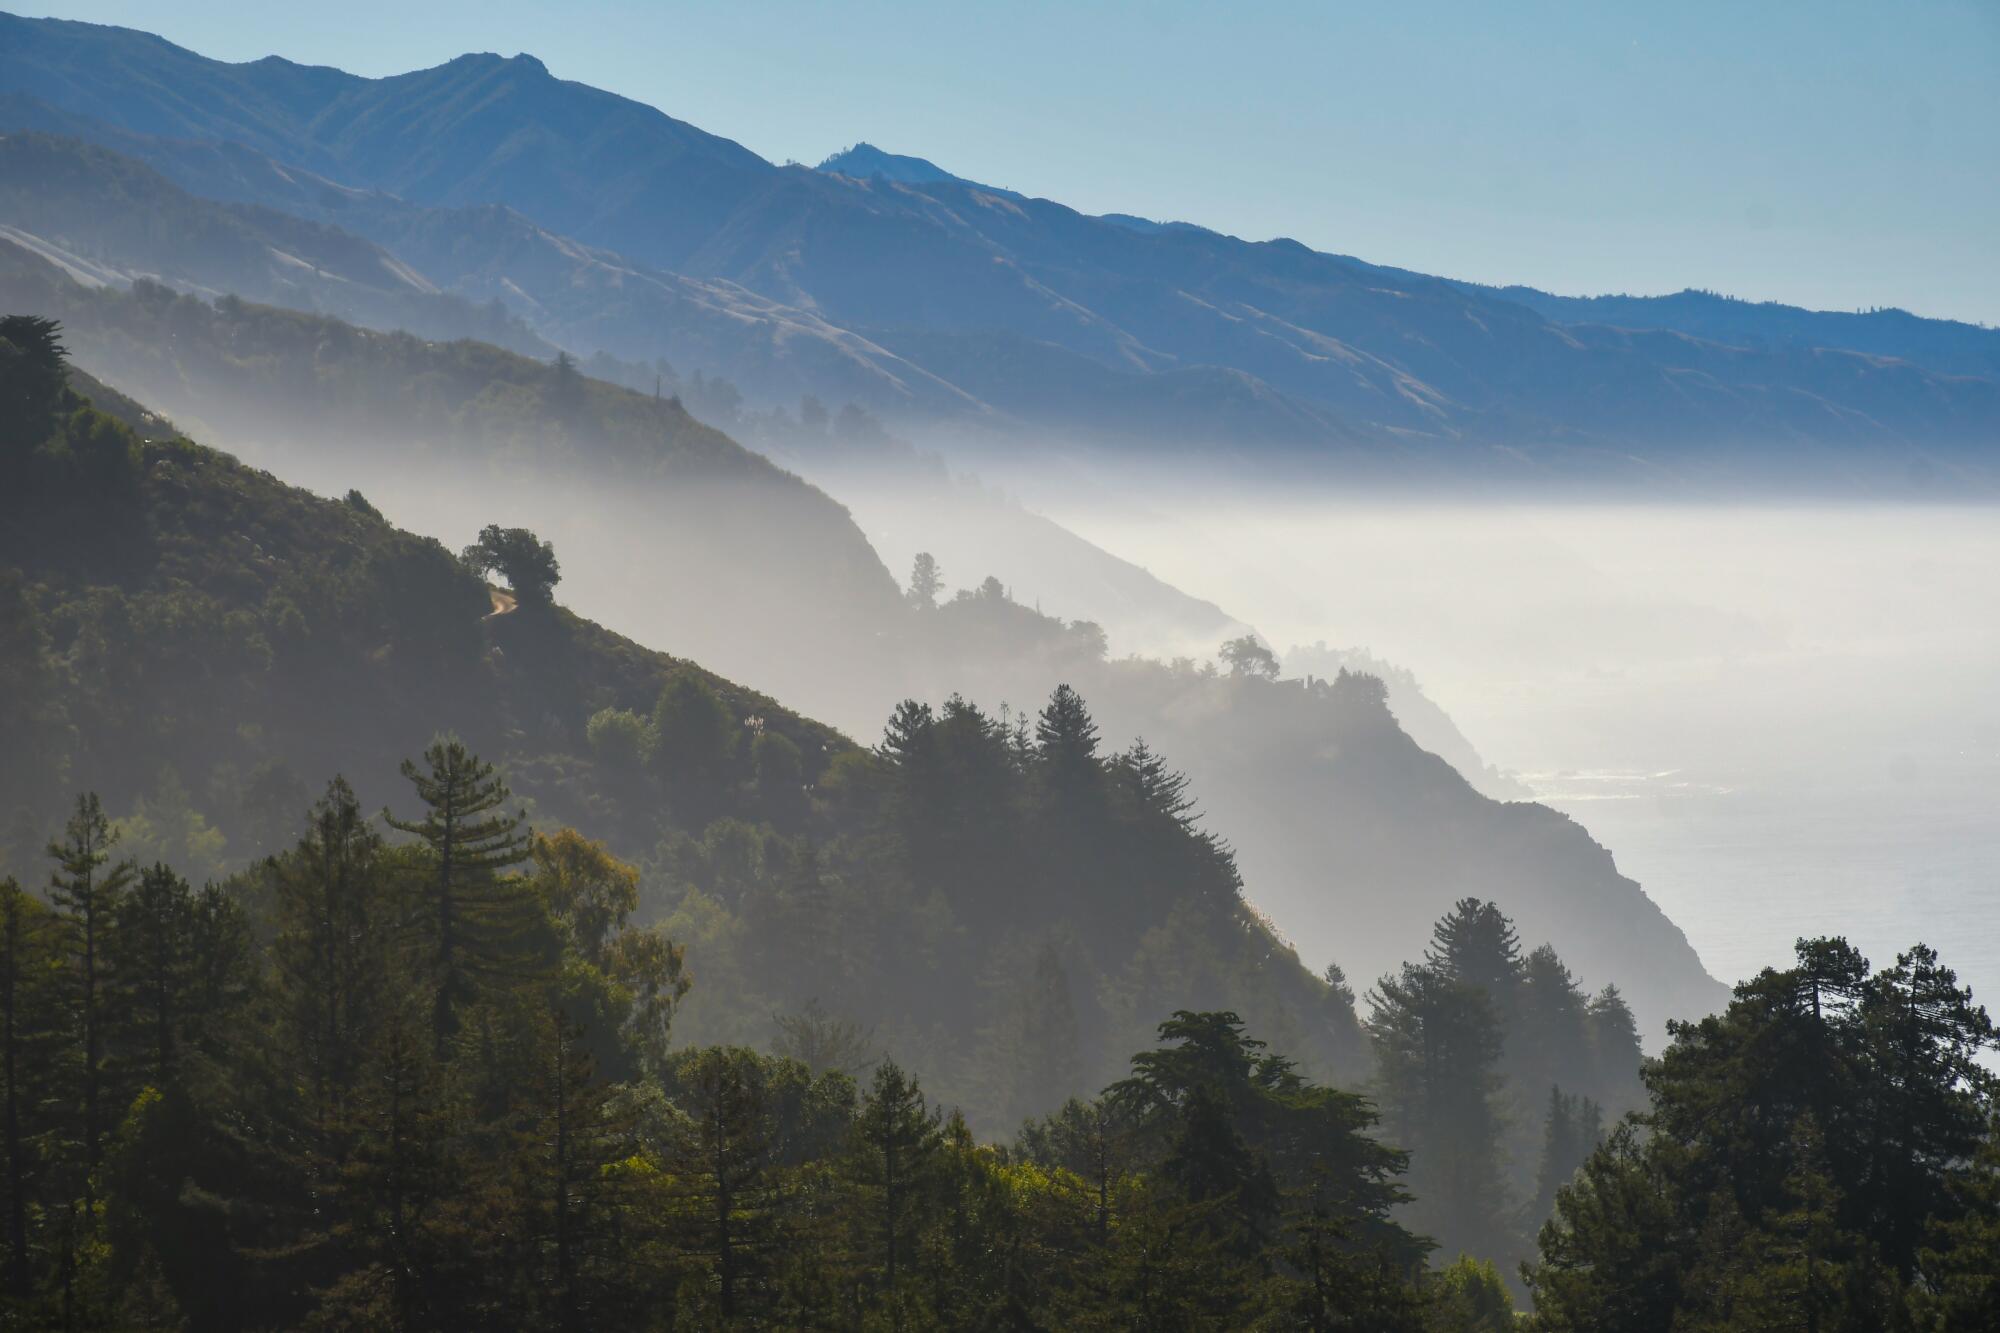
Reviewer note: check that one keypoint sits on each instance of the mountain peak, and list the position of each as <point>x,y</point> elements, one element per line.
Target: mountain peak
<point>521,61</point>
<point>864,161</point>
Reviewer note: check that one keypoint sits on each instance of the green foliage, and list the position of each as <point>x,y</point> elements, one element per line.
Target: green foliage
<point>1470,1298</point>
<point>476,920</point>
<point>33,381</point>
<point>1814,1157</point>
<point>527,563</point>
<point>694,736</point>
<point>620,739</point>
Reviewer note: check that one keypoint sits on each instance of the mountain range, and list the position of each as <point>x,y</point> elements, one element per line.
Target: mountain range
<point>945,305</point>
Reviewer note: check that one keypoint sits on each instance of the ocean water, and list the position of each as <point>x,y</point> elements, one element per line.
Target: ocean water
<point>1782,720</point>
<point>1886,859</point>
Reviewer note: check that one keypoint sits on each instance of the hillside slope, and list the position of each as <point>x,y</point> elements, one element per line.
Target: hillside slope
<point>451,436</point>
<point>484,270</point>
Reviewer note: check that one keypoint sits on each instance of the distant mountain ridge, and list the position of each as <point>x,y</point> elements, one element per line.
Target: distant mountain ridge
<point>1196,340</point>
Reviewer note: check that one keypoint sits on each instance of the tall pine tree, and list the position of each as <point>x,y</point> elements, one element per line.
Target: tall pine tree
<point>86,888</point>
<point>477,917</point>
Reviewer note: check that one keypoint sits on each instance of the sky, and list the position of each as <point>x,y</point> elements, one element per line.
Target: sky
<point>1825,153</point>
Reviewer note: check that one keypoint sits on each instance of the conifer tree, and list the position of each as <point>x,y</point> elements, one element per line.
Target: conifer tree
<point>152,951</point>
<point>576,1136</point>
<point>85,889</point>
<point>1615,1050</point>
<point>1477,945</point>
<point>399,1186</point>
<point>33,376</point>
<point>1066,742</point>
<point>1093,1140</point>
<point>477,916</point>
<point>331,950</point>
<point>1572,1127</point>
<point>896,1141</point>
<point>25,1029</point>
<point>725,1147</point>
<point>1437,1049</point>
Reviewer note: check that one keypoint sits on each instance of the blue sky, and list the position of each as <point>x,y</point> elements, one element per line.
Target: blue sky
<point>1821,152</point>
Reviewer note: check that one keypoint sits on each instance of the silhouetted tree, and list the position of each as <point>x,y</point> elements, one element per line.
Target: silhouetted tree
<point>474,916</point>
<point>1247,657</point>
<point>526,561</point>
<point>926,582</point>
<point>86,889</point>
<point>32,379</point>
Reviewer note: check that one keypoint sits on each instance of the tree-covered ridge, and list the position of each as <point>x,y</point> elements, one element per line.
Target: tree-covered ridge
<point>168,605</point>
<point>450,435</point>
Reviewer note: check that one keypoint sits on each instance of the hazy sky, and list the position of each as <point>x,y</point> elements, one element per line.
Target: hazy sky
<point>1825,152</point>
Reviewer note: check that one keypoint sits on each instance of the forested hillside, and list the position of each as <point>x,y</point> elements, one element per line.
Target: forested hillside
<point>662,501</point>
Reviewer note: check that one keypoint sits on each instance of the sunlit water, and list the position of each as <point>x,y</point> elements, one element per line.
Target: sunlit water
<point>1781,720</point>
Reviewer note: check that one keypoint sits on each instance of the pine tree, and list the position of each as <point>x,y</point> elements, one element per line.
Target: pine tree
<point>1476,944</point>
<point>1615,1050</point>
<point>1572,1127</point>
<point>1437,1048</point>
<point>1093,1140</point>
<point>725,1148</point>
<point>32,379</point>
<point>152,951</point>
<point>331,949</point>
<point>576,1136</point>
<point>1066,742</point>
<point>1331,1279</point>
<point>1165,1269</point>
<point>406,1120</point>
<point>25,1031</point>
<point>477,916</point>
<point>896,1141</point>
<point>86,888</point>
<point>1159,791</point>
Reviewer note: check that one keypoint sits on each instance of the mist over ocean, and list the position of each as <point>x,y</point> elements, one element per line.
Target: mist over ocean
<point>1770,714</point>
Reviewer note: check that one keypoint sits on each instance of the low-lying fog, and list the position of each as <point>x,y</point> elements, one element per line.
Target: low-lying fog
<point>1781,720</point>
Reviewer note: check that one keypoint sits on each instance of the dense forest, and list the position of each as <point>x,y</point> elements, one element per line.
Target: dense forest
<point>686,1012</point>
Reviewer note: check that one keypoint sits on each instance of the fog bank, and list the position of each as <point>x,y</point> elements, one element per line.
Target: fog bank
<point>1780,719</point>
